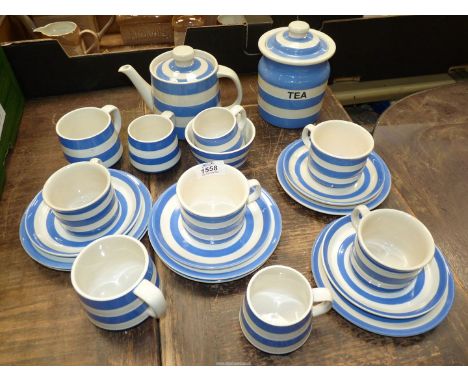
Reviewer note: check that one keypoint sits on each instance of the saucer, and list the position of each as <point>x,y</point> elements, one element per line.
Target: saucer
<point>324,208</point>
<point>422,295</point>
<point>380,325</point>
<point>65,263</point>
<point>47,234</point>
<point>209,263</point>
<point>366,188</point>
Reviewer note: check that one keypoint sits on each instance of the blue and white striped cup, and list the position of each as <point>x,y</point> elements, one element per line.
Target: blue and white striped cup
<point>219,129</point>
<point>338,152</point>
<point>391,247</point>
<point>213,200</point>
<point>82,197</point>
<point>152,142</point>
<point>91,132</point>
<point>117,283</point>
<point>277,311</point>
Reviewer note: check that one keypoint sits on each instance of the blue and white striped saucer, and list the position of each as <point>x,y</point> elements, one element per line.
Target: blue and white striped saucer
<point>422,295</point>
<point>207,263</point>
<point>380,325</point>
<point>366,188</point>
<point>47,234</point>
<point>324,208</point>
<point>65,263</point>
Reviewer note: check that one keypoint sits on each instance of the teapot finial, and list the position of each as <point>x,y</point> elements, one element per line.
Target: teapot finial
<point>298,29</point>
<point>183,55</point>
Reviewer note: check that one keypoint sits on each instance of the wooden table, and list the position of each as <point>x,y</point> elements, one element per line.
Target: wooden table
<point>42,322</point>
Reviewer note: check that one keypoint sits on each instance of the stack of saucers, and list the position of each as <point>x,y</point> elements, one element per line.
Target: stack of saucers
<point>80,203</point>
<point>333,168</point>
<point>208,228</point>
<point>384,271</point>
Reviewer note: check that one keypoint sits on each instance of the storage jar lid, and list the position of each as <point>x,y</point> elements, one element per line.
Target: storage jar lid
<point>184,64</point>
<point>297,45</point>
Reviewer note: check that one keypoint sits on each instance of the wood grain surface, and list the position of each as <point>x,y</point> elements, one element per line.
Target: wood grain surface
<point>42,322</point>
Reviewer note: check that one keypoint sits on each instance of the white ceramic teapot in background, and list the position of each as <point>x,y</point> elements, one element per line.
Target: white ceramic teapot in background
<point>184,81</point>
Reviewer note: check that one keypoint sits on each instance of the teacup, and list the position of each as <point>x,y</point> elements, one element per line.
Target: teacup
<point>213,200</point>
<point>91,132</point>
<point>338,152</point>
<point>277,311</point>
<point>152,142</point>
<point>391,247</point>
<point>82,197</point>
<point>219,129</point>
<point>117,283</point>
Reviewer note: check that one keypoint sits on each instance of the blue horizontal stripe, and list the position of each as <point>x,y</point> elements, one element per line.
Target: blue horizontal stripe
<point>220,156</point>
<point>123,300</point>
<point>337,161</point>
<point>329,184</point>
<point>214,219</point>
<point>290,104</point>
<point>120,319</point>
<point>90,207</point>
<point>218,141</point>
<point>103,156</point>
<point>272,343</point>
<point>335,174</point>
<point>215,231</point>
<point>180,132</point>
<point>188,111</point>
<point>155,161</point>
<point>187,69</point>
<point>300,54</point>
<point>100,228</point>
<point>287,123</point>
<point>93,219</point>
<point>379,277</point>
<point>182,88</point>
<point>152,146</point>
<point>89,143</point>
<point>272,328</point>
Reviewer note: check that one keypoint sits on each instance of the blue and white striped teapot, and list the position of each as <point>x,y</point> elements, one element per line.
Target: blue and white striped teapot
<point>184,81</point>
<point>293,74</point>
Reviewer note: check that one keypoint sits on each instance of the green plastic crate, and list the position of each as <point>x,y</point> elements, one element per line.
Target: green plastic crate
<point>12,103</point>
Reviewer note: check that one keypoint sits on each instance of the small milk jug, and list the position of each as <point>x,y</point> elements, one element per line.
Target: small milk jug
<point>184,81</point>
<point>293,74</point>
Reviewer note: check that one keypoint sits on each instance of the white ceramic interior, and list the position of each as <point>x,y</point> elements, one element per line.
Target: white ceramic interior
<point>249,136</point>
<point>213,122</point>
<point>75,186</point>
<point>109,267</point>
<point>150,128</point>
<point>396,239</point>
<point>279,295</point>
<point>212,195</point>
<point>342,139</point>
<point>82,123</point>
<point>58,28</point>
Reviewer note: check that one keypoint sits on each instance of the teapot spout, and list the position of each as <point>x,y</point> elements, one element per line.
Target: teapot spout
<point>141,85</point>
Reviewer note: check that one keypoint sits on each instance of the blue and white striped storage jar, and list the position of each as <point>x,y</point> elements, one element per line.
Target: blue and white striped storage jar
<point>184,81</point>
<point>293,74</point>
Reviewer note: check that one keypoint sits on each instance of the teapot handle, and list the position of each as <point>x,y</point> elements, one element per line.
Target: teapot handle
<point>224,71</point>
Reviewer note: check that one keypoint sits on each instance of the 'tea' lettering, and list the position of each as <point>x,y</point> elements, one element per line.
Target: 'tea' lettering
<point>297,95</point>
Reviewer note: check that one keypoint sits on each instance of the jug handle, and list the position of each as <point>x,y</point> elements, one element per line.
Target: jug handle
<point>224,71</point>
<point>94,45</point>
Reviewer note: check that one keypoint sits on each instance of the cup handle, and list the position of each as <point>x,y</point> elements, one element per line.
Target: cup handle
<point>306,134</point>
<point>224,71</point>
<point>324,297</point>
<point>94,45</point>
<point>114,112</point>
<point>255,184</point>
<point>358,213</point>
<point>152,296</point>
<point>241,116</point>
<point>169,115</point>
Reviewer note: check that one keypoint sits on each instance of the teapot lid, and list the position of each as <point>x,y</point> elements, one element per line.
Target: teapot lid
<point>297,45</point>
<point>184,64</point>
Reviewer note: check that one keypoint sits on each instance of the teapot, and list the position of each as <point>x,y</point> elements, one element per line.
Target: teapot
<point>184,81</point>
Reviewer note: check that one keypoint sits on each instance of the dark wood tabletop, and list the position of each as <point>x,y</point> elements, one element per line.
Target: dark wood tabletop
<point>422,138</point>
